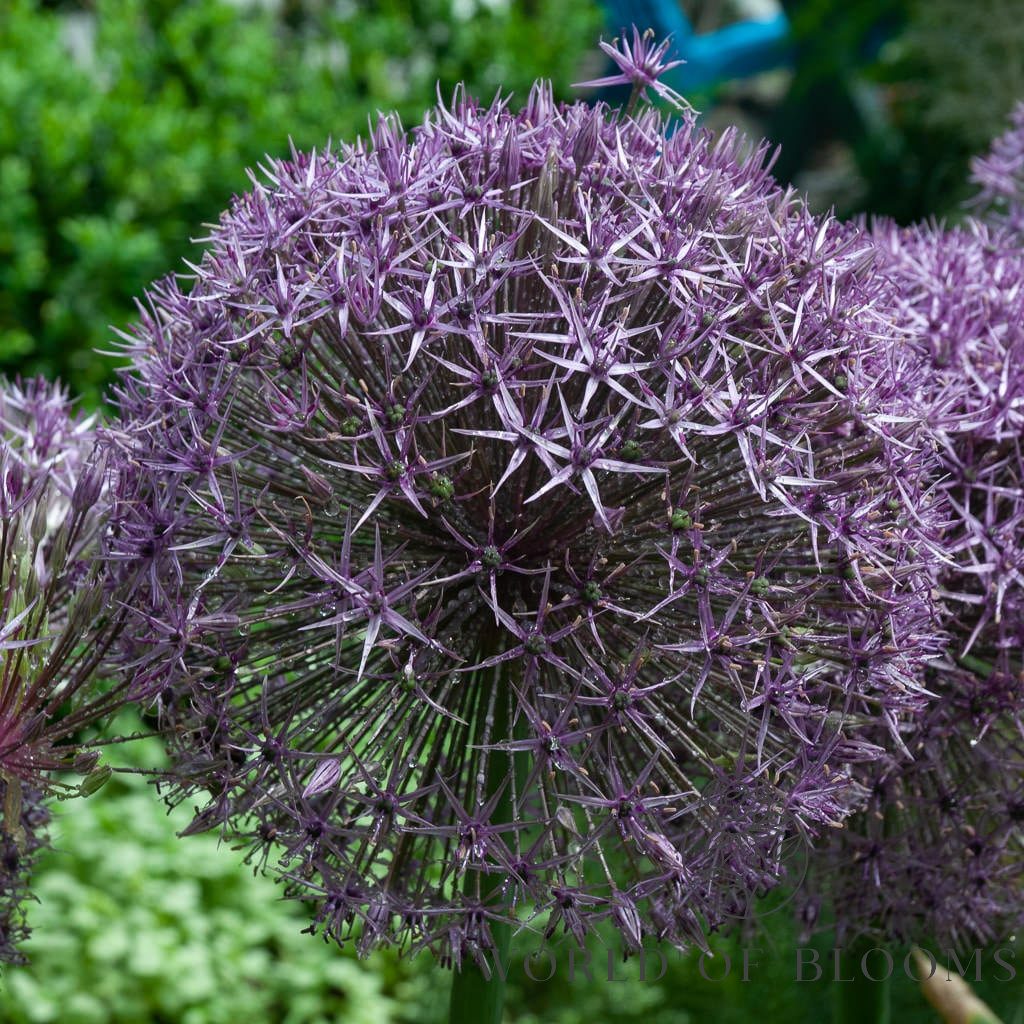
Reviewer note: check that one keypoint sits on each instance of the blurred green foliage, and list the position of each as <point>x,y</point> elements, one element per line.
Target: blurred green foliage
<point>952,78</point>
<point>115,152</point>
<point>913,88</point>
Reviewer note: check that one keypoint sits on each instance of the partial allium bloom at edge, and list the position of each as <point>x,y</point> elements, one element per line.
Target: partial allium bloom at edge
<point>54,631</point>
<point>1000,175</point>
<point>938,851</point>
<point>496,493</point>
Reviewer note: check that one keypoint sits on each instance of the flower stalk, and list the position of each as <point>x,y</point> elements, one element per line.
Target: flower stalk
<point>478,988</point>
<point>861,998</point>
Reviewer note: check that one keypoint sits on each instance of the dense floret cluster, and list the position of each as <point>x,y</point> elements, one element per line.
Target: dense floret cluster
<point>524,516</point>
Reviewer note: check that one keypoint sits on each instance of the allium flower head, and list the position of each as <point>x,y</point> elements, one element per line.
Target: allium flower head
<point>496,491</point>
<point>937,851</point>
<point>19,849</point>
<point>54,631</point>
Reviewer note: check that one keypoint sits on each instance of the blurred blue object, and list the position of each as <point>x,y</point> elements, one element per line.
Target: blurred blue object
<point>736,51</point>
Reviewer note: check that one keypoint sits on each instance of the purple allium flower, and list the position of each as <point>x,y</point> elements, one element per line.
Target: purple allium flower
<point>54,630</point>
<point>1000,176</point>
<point>496,492</point>
<point>937,851</point>
<point>640,66</point>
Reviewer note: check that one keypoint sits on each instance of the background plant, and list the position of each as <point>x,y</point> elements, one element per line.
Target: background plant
<point>999,175</point>
<point>951,77</point>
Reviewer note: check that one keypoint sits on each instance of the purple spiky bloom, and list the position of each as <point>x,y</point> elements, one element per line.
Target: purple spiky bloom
<point>641,65</point>
<point>1000,177</point>
<point>54,630</point>
<point>937,851</point>
<point>520,524</point>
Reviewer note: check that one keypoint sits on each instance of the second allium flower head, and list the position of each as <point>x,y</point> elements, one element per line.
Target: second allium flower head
<point>54,628</point>
<point>522,521</point>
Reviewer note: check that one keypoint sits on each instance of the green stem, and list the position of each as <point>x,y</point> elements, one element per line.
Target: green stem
<point>861,1000</point>
<point>975,665</point>
<point>475,998</point>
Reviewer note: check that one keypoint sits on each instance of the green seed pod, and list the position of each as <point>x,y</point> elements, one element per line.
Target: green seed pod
<point>441,486</point>
<point>680,519</point>
<point>95,780</point>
